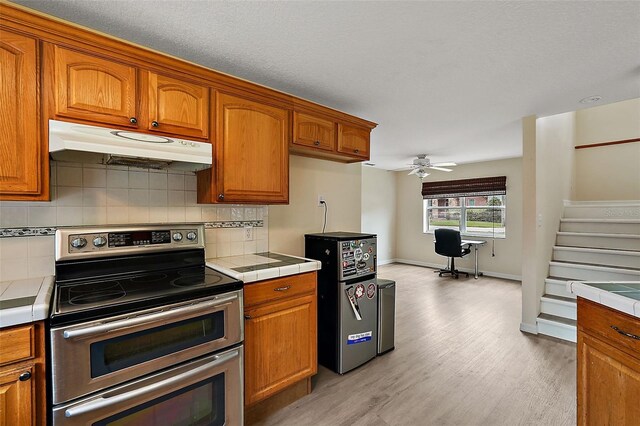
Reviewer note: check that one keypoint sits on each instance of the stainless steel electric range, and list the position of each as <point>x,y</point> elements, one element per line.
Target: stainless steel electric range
<point>142,332</point>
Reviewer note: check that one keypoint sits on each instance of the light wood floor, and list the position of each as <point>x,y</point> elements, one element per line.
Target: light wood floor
<point>460,359</point>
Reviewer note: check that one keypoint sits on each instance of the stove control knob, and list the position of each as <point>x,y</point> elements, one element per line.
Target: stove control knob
<point>78,242</point>
<point>99,241</point>
<point>191,236</point>
<point>177,236</point>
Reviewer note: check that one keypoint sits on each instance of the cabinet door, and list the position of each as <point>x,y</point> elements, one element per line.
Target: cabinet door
<point>280,346</point>
<point>16,397</point>
<point>608,384</point>
<point>313,132</point>
<point>178,107</point>
<point>21,159</point>
<point>251,153</point>
<point>91,88</point>
<point>353,141</point>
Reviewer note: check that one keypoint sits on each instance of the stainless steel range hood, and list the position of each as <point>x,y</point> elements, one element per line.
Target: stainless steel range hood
<point>92,144</point>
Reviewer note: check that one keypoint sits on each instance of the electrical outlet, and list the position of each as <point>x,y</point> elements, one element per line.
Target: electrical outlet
<point>248,233</point>
<point>320,200</point>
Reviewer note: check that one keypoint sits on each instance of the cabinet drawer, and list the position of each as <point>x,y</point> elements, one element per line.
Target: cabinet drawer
<point>17,344</point>
<point>601,320</point>
<point>279,288</point>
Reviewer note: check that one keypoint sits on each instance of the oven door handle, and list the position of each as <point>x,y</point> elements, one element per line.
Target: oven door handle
<point>153,389</point>
<point>143,319</point>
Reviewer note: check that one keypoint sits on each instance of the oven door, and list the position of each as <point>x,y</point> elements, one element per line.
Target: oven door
<point>207,391</point>
<point>96,355</point>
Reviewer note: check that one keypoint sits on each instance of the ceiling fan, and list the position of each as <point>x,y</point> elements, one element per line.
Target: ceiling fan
<point>422,163</point>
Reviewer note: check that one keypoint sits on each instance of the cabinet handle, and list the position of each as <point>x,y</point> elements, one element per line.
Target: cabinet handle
<point>356,151</point>
<point>316,143</point>
<point>220,196</point>
<point>133,120</point>
<point>154,124</point>
<point>285,288</point>
<point>624,333</point>
<point>25,376</point>
<point>247,317</point>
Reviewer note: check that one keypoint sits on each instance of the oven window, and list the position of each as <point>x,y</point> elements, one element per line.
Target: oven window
<point>135,348</point>
<point>198,404</point>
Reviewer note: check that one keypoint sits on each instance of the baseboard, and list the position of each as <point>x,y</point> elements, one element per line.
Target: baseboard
<point>529,328</point>
<point>468,270</point>
<point>386,261</point>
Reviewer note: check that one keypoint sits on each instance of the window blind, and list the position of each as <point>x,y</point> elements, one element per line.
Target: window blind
<point>496,185</point>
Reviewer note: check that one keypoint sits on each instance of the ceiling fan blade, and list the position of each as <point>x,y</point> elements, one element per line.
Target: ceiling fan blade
<point>414,171</point>
<point>450,164</point>
<point>440,168</point>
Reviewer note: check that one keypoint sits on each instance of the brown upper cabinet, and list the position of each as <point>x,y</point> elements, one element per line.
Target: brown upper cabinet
<point>177,107</point>
<point>251,159</point>
<point>87,87</point>
<point>353,141</point>
<point>311,131</point>
<point>53,69</point>
<point>23,165</point>
<point>108,92</point>
<point>323,134</point>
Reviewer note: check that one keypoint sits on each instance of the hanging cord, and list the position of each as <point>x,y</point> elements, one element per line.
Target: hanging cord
<point>493,232</point>
<point>326,207</point>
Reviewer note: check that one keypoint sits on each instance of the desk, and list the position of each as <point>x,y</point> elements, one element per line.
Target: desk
<point>475,244</point>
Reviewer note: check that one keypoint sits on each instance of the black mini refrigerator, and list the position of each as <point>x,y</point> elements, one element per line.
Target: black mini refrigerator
<point>347,298</point>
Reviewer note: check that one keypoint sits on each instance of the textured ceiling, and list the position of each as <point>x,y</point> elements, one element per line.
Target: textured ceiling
<point>449,79</point>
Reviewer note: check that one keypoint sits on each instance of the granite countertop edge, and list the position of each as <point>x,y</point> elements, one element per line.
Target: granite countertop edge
<point>36,311</point>
<point>610,299</point>
<point>268,273</point>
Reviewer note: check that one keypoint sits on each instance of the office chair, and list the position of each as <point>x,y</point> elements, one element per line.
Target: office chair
<point>448,243</point>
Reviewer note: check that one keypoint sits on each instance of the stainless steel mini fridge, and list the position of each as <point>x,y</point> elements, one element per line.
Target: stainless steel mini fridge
<point>347,298</point>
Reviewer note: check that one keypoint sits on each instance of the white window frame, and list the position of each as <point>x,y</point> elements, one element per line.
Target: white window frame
<point>427,229</point>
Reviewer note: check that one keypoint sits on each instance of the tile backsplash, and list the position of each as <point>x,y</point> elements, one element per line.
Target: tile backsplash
<point>92,194</point>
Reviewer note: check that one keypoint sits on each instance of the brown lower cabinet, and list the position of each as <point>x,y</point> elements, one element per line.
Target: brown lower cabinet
<point>280,334</point>
<point>22,375</point>
<point>608,366</point>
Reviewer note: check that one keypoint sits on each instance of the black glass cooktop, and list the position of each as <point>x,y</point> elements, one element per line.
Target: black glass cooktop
<point>90,298</point>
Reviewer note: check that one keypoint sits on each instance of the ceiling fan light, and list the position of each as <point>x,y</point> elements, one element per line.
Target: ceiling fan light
<point>421,173</point>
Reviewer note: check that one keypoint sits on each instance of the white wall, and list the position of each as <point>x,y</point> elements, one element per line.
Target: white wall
<point>611,122</point>
<point>340,184</point>
<point>608,172</point>
<point>415,247</point>
<point>530,290</point>
<point>379,210</point>
<point>550,163</point>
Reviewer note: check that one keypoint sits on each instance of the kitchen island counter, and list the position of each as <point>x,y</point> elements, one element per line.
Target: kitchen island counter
<point>623,296</point>
<point>608,352</point>
<point>24,301</point>
<point>262,266</point>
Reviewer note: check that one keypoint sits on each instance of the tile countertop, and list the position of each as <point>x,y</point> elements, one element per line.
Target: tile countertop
<point>623,296</point>
<point>25,301</point>
<point>262,266</point>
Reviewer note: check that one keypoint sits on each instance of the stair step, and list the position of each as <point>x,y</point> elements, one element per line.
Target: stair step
<point>601,226</point>
<point>557,287</point>
<point>627,242</point>
<point>603,210</point>
<point>581,271</point>
<point>593,256</point>
<point>564,307</point>
<point>558,327</point>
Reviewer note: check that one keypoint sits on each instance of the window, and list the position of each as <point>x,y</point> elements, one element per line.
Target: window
<point>473,206</point>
